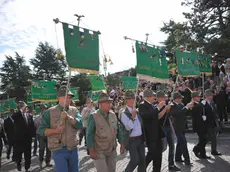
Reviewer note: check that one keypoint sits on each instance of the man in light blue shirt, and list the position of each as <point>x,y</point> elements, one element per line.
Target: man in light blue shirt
<point>133,123</point>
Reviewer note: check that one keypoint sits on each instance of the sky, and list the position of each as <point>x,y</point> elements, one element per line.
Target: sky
<point>24,23</point>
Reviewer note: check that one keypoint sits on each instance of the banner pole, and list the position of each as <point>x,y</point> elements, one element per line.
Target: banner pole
<point>136,91</point>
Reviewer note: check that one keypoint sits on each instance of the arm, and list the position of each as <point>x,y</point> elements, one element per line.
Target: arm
<point>162,113</point>
<point>90,132</point>
<point>77,122</point>
<point>145,114</point>
<point>127,122</point>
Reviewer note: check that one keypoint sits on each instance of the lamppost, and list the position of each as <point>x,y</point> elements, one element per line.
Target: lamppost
<point>106,61</point>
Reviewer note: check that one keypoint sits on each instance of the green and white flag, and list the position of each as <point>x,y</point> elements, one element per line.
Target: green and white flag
<point>187,63</point>
<point>205,63</point>
<point>82,49</point>
<point>97,83</point>
<point>151,65</point>
<point>129,83</point>
<point>44,91</point>
<point>74,90</point>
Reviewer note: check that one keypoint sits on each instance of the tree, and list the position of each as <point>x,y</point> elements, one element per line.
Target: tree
<point>82,81</point>
<point>209,21</point>
<point>15,75</point>
<point>47,64</point>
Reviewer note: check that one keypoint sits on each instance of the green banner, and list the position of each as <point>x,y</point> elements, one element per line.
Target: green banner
<point>95,96</point>
<point>6,105</point>
<point>205,63</point>
<point>129,83</point>
<point>97,83</point>
<point>74,90</point>
<point>187,63</point>
<point>82,49</point>
<point>151,64</point>
<point>44,91</point>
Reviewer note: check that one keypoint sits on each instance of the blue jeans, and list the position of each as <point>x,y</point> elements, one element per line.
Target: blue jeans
<point>66,160</point>
<point>170,140</point>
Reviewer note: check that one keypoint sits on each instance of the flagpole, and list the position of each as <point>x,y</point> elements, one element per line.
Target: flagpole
<point>203,84</point>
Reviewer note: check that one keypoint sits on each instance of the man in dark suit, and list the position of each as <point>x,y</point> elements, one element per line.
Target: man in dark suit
<point>24,130</point>
<point>153,131</point>
<point>9,129</point>
<point>199,126</point>
<point>178,113</point>
<point>212,121</point>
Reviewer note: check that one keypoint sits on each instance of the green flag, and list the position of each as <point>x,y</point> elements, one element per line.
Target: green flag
<point>97,83</point>
<point>74,90</point>
<point>95,96</point>
<point>151,65</point>
<point>6,105</point>
<point>129,83</point>
<point>187,63</point>
<point>205,63</point>
<point>82,49</point>
<point>44,91</point>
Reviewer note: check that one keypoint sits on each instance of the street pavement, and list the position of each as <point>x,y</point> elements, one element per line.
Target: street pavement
<point>215,164</point>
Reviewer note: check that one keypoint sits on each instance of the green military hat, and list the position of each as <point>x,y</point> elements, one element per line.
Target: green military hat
<point>62,91</point>
<point>103,97</point>
<point>160,94</point>
<point>129,95</point>
<point>149,93</point>
<point>208,92</point>
<point>195,94</point>
<point>177,95</point>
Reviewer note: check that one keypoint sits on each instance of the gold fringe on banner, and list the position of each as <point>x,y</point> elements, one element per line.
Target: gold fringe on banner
<point>84,70</point>
<point>45,101</point>
<point>153,79</point>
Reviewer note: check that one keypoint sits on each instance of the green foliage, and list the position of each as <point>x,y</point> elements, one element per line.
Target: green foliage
<point>46,63</point>
<point>82,81</point>
<point>14,76</point>
<point>209,22</point>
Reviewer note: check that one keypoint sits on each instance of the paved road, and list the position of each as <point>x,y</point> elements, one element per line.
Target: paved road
<point>216,164</point>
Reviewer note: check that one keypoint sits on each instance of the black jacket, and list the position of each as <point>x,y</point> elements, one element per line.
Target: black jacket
<point>9,129</point>
<point>23,132</point>
<point>152,128</point>
<point>199,125</point>
<point>211,115</point>
<point>179,119</point>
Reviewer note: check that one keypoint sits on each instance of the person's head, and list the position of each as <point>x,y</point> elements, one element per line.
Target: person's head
<point>149,95</point>
<point>177,97</point>
<point>161,97</point>
<point>130,98</point>
<point>22,105</point>
<point>43,107</point>
<point>89,103</point>
<point>63,98</point>
<point>105,102</point>
<point>208,94</point>
<point>195,96</point>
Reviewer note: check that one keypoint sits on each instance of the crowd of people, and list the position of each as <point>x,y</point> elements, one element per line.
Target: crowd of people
<point>147,117</point>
